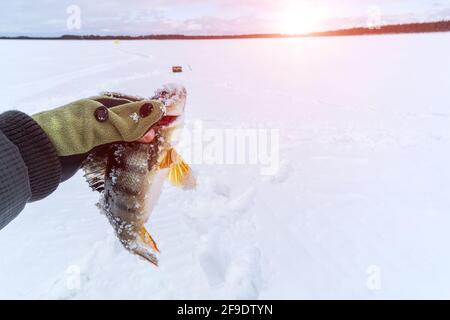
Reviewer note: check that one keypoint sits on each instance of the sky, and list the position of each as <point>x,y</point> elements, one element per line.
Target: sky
<point>206,17</point>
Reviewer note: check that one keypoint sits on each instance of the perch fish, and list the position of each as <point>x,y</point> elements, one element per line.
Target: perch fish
<point>130,175</point>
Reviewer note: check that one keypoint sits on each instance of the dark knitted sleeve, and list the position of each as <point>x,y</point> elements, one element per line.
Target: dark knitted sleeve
<point>14,186</point>
<point>36,150</point>
<point>29,166</point>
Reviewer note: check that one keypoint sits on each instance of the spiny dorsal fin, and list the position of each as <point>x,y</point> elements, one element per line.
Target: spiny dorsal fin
<point>94,168</point>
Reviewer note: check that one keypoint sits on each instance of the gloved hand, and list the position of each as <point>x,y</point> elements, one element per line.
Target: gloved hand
<point>78,127</point>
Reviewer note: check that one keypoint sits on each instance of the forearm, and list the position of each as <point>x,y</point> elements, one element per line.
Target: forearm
<point>29,166</point>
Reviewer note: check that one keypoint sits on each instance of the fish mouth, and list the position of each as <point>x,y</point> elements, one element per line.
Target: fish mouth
<point>173,97</point>
<point>166,121</point>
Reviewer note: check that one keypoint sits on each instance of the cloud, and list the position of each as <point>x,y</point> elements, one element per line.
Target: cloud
<point>48,17</point>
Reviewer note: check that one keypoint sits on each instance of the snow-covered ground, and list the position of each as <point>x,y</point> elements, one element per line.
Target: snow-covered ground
<point>359,208</point>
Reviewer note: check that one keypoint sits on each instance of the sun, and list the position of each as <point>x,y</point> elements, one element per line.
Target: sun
<point>300,19</point>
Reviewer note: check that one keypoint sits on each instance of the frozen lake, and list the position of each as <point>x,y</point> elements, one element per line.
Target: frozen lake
<point>359,207</point>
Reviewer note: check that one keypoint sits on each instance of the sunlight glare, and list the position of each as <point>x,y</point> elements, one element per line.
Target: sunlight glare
<point>300,19</point>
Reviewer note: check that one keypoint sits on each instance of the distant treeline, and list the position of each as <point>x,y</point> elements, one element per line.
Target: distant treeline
<point>439,26</point>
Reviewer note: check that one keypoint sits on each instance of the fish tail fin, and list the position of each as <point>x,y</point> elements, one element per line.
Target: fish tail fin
<point>146,254</point>
<point>145,246</point>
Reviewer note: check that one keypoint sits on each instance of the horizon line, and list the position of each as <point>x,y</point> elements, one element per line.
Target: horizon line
<point>419,27</point>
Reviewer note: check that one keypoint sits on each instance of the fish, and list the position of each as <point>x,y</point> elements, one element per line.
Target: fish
<point>129,175</point>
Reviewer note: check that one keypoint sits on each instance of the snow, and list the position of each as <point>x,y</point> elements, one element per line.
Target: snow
<point>135,117</point>
<point>358,208</point>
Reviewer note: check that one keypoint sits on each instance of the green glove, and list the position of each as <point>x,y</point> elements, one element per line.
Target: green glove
<point>78,127</point>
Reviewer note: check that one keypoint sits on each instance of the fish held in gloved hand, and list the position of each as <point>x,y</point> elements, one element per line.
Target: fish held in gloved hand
<point>130,175</point>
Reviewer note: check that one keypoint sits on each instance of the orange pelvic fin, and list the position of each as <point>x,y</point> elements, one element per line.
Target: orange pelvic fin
<point>147,239</point>
<point>180,173</point>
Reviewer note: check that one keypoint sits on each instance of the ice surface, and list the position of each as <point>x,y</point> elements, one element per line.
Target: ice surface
<point>359,207</point>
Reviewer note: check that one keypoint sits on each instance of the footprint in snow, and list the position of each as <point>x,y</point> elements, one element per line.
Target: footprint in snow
<point>244,201</point>
<point>238,271</point>
<point>221,189</point>
<point>283,173</point>
<point>69,283</point>
<point>213,260</point>
<point>244,273</point>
